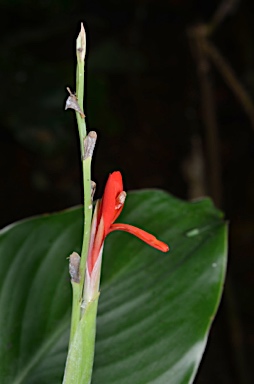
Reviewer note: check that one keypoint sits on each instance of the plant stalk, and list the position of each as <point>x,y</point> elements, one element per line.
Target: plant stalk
<point>80,357</point>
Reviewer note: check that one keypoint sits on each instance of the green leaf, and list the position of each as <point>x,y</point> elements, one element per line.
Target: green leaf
<point>155,309</point>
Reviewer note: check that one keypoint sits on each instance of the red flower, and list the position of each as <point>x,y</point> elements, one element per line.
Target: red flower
<point>106,212</point>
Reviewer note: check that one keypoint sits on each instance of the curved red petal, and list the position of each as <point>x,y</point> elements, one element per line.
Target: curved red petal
<point>142,235</point>
<point>113,188</point>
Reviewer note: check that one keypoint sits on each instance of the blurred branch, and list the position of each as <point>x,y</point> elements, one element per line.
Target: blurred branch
<point>224,9</point>
<point>230,78</point>
<point>204,52</point>
<point>207,49</point>
<point>197,35</point>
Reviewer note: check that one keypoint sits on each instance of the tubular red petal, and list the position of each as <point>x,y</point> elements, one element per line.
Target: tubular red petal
<point>142,235</point>
<point>96,237</point>
<point>94,250</point>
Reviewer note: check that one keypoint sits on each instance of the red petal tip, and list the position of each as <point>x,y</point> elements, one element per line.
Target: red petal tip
<point>142,235</point>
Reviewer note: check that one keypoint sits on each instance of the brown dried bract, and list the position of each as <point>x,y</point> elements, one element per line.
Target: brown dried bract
<point>72,103</point>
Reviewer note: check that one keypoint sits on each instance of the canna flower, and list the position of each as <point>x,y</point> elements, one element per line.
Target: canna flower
<point>106,212</point>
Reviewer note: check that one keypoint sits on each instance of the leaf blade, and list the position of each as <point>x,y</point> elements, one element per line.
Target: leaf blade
<point>155,310</point>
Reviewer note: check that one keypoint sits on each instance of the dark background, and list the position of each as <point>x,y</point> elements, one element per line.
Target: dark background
<point>146,96</point>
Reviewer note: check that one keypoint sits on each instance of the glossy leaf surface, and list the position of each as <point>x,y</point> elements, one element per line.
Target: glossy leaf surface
<point>155,309</point>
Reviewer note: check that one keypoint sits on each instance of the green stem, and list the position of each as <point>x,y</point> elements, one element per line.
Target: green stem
<point>80,51</point>
<point>87,217</point>
<point>75,309</point>
<point>80,357</point>
<point>80,47</point>
<point>79,362</point>
<point>86,164</point>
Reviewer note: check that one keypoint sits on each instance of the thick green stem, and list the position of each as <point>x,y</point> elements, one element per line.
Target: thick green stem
<point>80,50</point>
<point>80,357</point>
<point>79,362</point>
<point>86,163</point>
<point>75,309</point>
<point>87,217</point>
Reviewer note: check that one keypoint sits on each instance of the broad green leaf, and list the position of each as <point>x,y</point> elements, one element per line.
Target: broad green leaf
<point>155,309</point>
